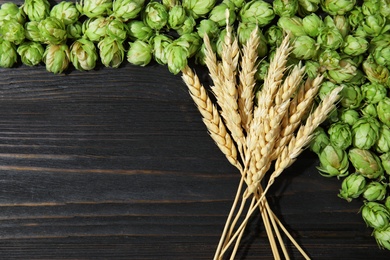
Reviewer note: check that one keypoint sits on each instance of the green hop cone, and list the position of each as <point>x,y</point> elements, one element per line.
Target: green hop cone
<point>304,48</point>
<point>138,30</point>
<point>83,54</point>
<point>139,53</point>
<point>209,27</point>
<point>52,30</point>
<point>354,45</point>
<point>94,29</point>
<point>325,88</point>
<point>65,11</point>
<point>126,10</point>
<point>36,10</point>
<point>74,31</point>
<point>117,29</point>
<point>349,116</point>
<point>383,110</point>
<point>337,7</point>
<point>176,17</point>
<point>341,23</point>
<point>11,11</point>
<point>32,31</point>
<point>190,41</point>
<point>198,8</point>
<point>188,26</point>
<point>95,8</point>
<point>257,11</point>
<point>369,110</point>
<point>218,14</point>
<point>373,92</point>
<point>330,37</point>
<point>170,3</point>
<point>12,31</point>
<point>385,159</point>
<point>333,162</point>
<point>384,8</point>
<point>320,140</point>
<point>352,96</point>
<point>329,59</point>
<point>31,53</point>
<point>155,15</point>
<point>292,25</point>
<point>344,73</point>
<point>355,17</point>
<point>373,25</point>
<point>383,143</point>
<point>382,55</point>
<point>340,135</point>
<point>274,35</point>
<point>365,132</point>
<point>376,73</point>
<point>382,237</point>
<point>285,7</point>
<point>370,7</point>
<point>375,191</point>
<point>8,54</point>
<point>177,56</point>
<point>352,187</point>
<point>262,69</point>
<point>312,68</point>
<point>312,25</point>
<point>56,57</point>
<point>159,43</point>
<point>111,52</point>
<point>306,7</point>
<point>375,215</point>
<point>366,163</point>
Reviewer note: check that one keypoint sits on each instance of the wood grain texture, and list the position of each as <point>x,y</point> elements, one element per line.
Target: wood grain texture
<point>117,164</point>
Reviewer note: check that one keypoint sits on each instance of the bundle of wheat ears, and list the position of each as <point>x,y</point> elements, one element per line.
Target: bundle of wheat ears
<point>257,130</point>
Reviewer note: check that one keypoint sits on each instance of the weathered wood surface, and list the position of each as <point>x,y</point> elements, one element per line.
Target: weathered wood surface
<point>117,164</point>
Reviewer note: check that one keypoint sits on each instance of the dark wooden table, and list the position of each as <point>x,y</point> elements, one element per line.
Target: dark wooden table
<point>117,164</point>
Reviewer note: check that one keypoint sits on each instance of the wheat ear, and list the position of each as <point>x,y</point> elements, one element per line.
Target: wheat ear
<point>247,79</point>
<point>210,116</point>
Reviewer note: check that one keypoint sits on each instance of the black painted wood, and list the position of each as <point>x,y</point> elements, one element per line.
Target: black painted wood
<point>117,164</point>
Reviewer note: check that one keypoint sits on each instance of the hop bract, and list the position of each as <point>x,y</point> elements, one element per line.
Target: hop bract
<point>31,53</point>
<point>352,186</point>
<point>366,163</point>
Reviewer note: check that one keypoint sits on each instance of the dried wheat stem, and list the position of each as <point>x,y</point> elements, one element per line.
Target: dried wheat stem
<point>211,117</point>
<point>247,79</point>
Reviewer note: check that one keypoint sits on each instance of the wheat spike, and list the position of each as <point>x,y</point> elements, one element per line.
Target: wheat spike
<point>211,117</point>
